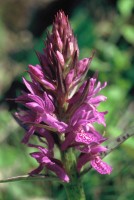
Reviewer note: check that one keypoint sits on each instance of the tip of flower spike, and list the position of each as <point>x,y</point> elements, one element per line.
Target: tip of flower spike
<point>60,14</point>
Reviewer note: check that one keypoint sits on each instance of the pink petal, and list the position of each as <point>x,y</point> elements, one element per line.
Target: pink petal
<point>86,138</point>
<point>36,70</point>
<point>60,58</point>
<point>36,98</point>
<point>35,155</point>
<point>37,170</point>
<point>48,136</point>
<point>92,85</point>
<point>47,84</point>
<point>96,100</point>
<point>35,107</point>
<point>100,117</point>
<point>69,77</point>
<point>48,104</point>
<point>53,122</point>
<point>99,87</point>
<point>58,169</point>
<point>29,133</point>
<point>82,65</point>
<point>59,41</point>
<point>100,166</point>
<point>98,149</point>
<point>29,85</point>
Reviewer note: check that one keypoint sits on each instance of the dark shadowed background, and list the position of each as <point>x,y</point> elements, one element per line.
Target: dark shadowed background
<point>104,26</point>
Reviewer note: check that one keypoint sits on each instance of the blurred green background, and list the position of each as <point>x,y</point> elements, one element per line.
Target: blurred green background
<point>104,26</point>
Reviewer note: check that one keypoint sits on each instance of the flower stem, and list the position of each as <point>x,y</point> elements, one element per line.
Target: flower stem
<point>74,188</point>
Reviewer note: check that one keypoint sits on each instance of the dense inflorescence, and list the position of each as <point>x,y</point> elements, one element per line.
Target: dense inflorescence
<point>61,105</point>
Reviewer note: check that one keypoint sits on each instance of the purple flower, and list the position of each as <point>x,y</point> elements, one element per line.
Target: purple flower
<point>41,109</point>
<point>88,93</point>
<point>61,105</point>
<point>80,130</point>
<point>84,105</point>
<point>93,157</point>
<point>37,75</point>
<point>45,159</point>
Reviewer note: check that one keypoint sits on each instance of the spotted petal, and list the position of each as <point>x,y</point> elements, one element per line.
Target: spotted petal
<point>100,166</point>
<point>86,138</point>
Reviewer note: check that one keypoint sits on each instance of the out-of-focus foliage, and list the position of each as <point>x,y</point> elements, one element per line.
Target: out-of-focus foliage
<point>104,26</point>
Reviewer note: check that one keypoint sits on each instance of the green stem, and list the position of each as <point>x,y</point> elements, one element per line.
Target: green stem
<point>74,188</point>
<point>38,177</point>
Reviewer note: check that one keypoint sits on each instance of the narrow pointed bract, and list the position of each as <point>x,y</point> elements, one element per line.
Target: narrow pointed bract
<point>61,105</point>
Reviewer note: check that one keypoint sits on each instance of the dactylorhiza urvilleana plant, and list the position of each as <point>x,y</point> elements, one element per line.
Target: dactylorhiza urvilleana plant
<point>61,109</point>
<point>62,105</point>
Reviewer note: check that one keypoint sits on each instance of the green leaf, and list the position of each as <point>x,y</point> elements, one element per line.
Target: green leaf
<point>125,7</point>
<point>128,33</point>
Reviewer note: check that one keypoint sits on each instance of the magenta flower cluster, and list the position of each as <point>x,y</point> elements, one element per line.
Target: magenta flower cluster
<point>61,105</point>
